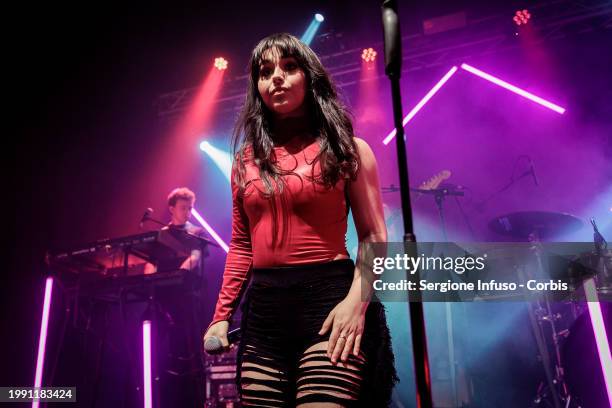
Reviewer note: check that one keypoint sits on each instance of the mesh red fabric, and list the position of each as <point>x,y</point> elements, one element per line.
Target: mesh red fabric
<point>305,223</point>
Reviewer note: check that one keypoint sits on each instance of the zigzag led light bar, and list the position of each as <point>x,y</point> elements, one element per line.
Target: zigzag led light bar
<point>422,102</point>
<point>480,74</point>
<point>512,88</point>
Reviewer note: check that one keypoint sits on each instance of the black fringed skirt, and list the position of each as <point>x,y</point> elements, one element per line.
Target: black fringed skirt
<point>283,311</point>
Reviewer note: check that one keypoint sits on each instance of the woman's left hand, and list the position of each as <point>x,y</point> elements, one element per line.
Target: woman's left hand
<point>346,321</point>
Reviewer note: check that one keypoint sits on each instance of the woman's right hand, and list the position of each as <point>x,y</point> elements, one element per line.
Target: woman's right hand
<point>218,330</point>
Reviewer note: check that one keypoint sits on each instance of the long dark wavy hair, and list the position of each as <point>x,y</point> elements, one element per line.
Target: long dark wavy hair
<point>330,119</point>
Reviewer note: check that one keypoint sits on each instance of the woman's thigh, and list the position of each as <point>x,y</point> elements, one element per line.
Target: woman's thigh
<point>320,383</point>
<point>264,379</point>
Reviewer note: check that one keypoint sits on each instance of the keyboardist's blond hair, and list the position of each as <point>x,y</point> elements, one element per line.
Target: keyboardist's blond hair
<point>181,193</point>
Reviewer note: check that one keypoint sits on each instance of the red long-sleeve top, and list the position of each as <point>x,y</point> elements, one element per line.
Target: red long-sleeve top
<point>305,223</point>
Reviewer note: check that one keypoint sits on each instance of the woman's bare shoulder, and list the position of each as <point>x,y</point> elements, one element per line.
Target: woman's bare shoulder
<point>366,155</point>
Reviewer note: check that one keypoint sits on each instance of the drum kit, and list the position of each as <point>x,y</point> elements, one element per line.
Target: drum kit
<point>552,322</point>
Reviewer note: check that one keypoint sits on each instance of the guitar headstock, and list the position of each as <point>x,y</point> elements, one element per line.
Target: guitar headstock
<point>435,181</point>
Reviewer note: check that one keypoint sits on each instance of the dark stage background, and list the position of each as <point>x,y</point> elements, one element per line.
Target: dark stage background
<point>86,149</point>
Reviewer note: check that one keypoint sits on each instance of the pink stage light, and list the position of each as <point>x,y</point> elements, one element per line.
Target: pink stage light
<point>601,338</point>
<point>422,102</point>
<point>146,361</point>
<point>368,55</point>
<point>211,231</point>
<point>221,63</point>
<point>513,88</point>
<point>521,17</point>
<point>42,340</point>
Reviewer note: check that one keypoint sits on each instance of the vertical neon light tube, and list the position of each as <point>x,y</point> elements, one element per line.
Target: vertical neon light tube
<point>601,337</point>
<point>422,103</point>
<point>512,88</point>
<point>146,359</point>
<point>42,340</point>
<point>211,231</point>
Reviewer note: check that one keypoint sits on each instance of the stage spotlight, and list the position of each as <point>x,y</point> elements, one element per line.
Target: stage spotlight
<point>368,55</point>
<point>220,157</point>
<point>220,63</point>
<point>521,17</point>
<point>312,29</point>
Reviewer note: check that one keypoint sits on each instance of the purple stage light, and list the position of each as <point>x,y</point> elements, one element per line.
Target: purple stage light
<point>42,340</point>
<point>422,103</point>
<point>601,337</point>
<point>211,231</point>
<point>483,75</point>
<point>513,88</point>
<point>146,361</point>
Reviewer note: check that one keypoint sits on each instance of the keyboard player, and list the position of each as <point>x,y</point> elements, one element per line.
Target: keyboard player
<point>180,204</point>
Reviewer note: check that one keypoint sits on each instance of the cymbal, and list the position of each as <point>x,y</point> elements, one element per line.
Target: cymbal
<point>544,224</point>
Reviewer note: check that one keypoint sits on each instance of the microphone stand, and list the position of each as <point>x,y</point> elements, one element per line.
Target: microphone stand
<point>439,195</point>
<point>481,205</point>
<point>393,64</point>
<point>154,221</point>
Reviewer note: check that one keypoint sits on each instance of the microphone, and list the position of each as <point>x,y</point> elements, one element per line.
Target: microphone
<point>145,216</point>
<point>533,173</point>
<point>213,345</point>
<point>392,38</point>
